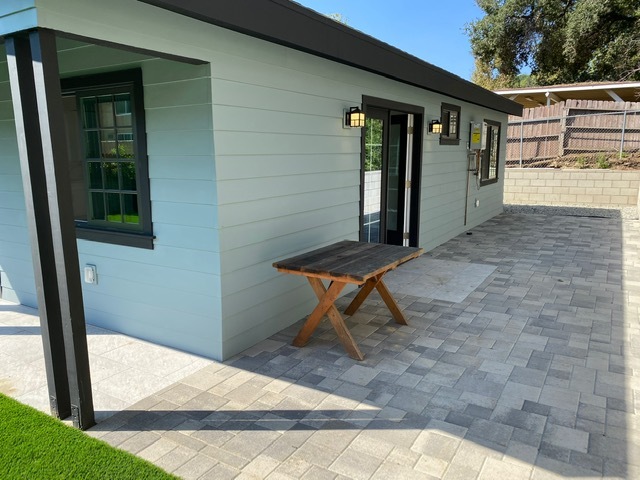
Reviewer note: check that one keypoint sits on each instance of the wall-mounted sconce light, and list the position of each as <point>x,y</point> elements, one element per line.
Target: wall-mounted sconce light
<point>435,126</point>
<point>354,118</point>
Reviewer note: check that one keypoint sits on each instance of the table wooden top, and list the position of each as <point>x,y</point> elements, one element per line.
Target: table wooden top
<point>348,261</point>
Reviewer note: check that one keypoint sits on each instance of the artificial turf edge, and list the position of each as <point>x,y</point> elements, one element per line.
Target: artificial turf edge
<point>36,446</point>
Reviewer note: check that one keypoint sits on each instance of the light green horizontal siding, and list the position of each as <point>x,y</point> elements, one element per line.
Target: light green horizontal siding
<point>282,157</point>
<point>286,174</point>
<point>170,294</point>
<point>16,271</point>
<point>17,15</point>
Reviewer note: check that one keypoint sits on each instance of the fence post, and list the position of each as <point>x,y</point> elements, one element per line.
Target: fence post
<point>563,131</point>
<point>624,127</point>
<point>521,135</point>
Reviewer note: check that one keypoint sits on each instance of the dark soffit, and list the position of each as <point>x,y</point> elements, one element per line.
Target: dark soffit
<point>290,24</point>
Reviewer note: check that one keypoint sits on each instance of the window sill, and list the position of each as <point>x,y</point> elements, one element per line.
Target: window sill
<point>449,141</point>
<point>137,240</point>
<point>484,183</point>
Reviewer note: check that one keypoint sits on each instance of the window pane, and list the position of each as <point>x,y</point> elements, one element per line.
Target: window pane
<point>123,110</point>
<point>97,206</point>
<point>125,143</point>
<point>374,130</point>
<point>114,213</point>
<point>493,158</point>
<point>108,153</point>
<point>95,175</point>
<point>92,144</point>
<point>131,209</point>
<point>108,144</point>
<point>128,170</point>
<point>89,117</point>
<point>111,176</point>
<point>453,124</point>
<point>105,111</point>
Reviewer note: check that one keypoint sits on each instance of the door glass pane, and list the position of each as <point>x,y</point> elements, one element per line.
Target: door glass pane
<point>372,179</point>
<point>493,159</point>
<point>393,193</point>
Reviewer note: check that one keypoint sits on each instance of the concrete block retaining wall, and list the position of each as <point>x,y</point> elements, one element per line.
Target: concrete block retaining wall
<point>590,187</point>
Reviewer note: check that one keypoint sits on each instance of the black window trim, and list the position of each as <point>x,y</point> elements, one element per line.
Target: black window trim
<point>484,165</point>
<point>133,79</point>
<point>445,138</point>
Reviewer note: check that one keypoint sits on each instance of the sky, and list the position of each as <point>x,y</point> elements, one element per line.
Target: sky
<point>429,29</point>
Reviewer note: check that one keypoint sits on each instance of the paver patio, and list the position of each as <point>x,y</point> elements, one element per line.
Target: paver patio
<point>531,375</point>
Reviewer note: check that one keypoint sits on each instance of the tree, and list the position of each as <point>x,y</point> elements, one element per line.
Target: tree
<point>560,41</point>
<point>338,17</point>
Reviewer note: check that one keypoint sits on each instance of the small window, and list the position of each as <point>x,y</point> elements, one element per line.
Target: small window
<point>491,154</point>
<point>108,159</point>
<point>450,115</point>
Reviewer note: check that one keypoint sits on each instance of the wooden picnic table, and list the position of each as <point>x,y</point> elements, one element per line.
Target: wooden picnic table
<point>341,263</point>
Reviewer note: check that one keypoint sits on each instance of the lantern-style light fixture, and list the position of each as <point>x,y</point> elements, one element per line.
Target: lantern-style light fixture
<point>354,118</point>
<point>435,126</point>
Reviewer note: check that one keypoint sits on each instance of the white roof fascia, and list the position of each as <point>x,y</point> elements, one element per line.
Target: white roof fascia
<point>604,86</point>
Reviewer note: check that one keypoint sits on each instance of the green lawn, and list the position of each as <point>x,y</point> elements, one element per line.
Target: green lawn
<point>36,446</point>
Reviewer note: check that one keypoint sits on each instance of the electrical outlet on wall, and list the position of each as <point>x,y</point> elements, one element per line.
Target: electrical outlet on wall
<point>90,274</point>
<point>477,203</point>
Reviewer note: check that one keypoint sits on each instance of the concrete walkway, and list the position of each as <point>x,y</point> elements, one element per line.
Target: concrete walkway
<point>124,370</point>
<point>533,374</point>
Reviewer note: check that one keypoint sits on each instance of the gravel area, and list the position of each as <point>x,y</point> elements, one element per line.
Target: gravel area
<point>602,211</point>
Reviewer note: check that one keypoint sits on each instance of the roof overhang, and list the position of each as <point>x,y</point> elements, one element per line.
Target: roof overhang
<point>606,91</point>
<point>290,24</point>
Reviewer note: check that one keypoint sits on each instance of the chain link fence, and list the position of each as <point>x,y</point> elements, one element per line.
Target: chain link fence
<point>575,134</point>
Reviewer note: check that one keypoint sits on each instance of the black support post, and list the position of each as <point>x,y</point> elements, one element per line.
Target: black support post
<point>37,209</point>
<point>34,74</point>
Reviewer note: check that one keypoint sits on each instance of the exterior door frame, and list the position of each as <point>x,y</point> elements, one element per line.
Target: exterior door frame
<point>416,160</point>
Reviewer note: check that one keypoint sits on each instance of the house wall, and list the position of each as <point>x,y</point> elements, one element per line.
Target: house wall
<point>287,175</point>
<point>16,15</point>
<point>170,294</point>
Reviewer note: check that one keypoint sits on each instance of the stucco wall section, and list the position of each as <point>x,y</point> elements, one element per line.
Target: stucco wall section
<point>597,187</point>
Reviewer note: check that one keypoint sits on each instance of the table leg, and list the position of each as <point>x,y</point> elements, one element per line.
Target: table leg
<point>391,303</point>
<point>364,292</point>
<point>326,305</point>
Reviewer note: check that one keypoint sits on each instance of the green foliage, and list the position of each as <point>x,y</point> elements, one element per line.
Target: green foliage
<point>35,446</point>
<point>561,41</point>
<point>338,17</point>
<point>602,161</point>
<point>581,162</point>
<point>373,144</point>
<point>123,151</point>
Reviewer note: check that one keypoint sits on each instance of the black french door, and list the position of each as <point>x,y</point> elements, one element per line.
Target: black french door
<point>389,210</point>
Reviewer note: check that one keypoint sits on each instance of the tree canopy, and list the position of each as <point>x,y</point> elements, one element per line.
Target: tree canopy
<point>559,41</point>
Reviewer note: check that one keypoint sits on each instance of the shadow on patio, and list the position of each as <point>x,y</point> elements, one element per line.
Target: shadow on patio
<point>530,375</point>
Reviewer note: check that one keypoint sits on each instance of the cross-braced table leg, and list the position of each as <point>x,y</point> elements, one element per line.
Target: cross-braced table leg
<point>377,283</point>
<point>326,305</point>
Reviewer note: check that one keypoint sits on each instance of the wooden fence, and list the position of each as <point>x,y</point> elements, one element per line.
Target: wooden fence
<point>570,128</point>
